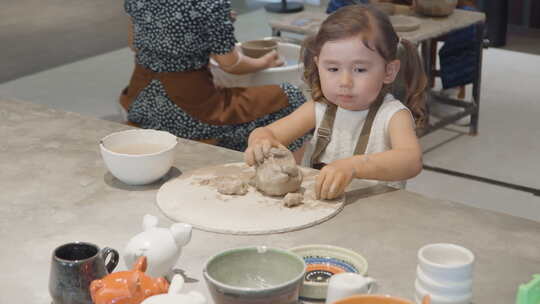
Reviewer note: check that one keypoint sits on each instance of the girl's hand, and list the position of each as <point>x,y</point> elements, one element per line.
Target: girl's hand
<point>334,178</point>
<point>260,149</point>
<point>272,59</point>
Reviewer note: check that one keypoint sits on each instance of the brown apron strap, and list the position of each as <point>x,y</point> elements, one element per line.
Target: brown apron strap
<point>324,133</point>
<point>327,123</point>
<point>195,93</point>
<point>361,144</point>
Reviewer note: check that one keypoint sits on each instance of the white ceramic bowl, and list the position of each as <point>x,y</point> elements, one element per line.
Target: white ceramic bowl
<point>420,292</point>
<point>446,262</point>
<point>138,157</point>
<point>290,72</point>
<point>322,262</point>
<point>175,294</point>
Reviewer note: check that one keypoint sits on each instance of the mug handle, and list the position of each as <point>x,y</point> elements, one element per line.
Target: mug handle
<point>114,258</point>
<point>372,285</point>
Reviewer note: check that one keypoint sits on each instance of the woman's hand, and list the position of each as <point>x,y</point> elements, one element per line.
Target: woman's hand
<point>233,15</point>
<point>334,179</point>
<point>236,63</point>
<point>259,149</point>
<point>272,59</point>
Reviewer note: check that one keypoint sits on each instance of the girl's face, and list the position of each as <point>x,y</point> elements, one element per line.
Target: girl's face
<point>351,74</point>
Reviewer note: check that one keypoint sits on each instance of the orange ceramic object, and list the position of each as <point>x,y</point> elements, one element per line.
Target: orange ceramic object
<point>376,299</point>
<point>127,287</point>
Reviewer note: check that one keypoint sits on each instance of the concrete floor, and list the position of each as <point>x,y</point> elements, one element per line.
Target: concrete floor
<point>36,36</point>
<point>506,148</point>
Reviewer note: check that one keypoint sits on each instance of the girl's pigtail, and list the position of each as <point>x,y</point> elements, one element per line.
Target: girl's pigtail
<point>414,80</point>
<point>311,72</point>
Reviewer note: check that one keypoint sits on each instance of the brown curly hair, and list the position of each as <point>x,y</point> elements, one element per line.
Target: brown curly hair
<point>378,35</point>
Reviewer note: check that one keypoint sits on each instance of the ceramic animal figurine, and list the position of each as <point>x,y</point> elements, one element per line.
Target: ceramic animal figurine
<point>161,246</point>
<point>175,296</point>
<point>127,287</point>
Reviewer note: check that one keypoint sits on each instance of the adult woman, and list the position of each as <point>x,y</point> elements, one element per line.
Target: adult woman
<point>171,88</point>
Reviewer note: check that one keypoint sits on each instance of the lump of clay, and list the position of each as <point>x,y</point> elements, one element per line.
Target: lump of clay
<point>292,199</point>
<point>231,186</point>
<point>278,173</point>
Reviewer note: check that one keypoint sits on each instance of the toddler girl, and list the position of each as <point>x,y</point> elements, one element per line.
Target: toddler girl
<point>361,130</point>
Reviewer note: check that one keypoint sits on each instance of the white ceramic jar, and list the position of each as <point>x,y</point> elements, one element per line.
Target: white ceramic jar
<point>174,296</point>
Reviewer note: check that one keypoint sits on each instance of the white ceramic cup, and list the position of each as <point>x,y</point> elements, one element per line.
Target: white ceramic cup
<point>346,284</point>
<point>446,263</point>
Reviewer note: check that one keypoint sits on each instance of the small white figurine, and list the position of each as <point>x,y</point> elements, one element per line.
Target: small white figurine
<point>174,296</point>
<point>161,246</point>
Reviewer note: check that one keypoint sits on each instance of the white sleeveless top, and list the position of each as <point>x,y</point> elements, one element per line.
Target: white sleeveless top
<point>346,131</point>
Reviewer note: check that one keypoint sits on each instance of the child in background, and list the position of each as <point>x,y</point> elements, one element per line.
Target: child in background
<point>334,5</point>
<point>458,54</point>
<point>362,131</point>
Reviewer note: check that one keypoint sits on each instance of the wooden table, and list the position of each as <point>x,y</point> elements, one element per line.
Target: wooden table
<point>56,189</point>
<point>309,21</point>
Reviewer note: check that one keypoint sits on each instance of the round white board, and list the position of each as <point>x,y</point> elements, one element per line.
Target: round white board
<point>191,198</point>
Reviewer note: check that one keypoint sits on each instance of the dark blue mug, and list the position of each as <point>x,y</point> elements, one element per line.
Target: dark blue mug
<point>74,266</point>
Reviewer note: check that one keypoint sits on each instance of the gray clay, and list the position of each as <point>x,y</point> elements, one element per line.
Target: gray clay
<point>231,186</point>
<point>278,174</point>
<point>292,199</point>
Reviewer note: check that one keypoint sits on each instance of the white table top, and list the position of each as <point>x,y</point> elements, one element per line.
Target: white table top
<point>56,189</point>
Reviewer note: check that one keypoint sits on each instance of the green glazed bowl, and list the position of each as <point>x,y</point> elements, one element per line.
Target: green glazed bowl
<point>258,275</point>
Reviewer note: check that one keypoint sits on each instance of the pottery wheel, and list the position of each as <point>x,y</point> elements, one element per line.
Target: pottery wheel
<point>404,23</point>
<point>192,198</point>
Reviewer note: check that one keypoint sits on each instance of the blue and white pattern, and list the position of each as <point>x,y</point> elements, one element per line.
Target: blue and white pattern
<point>180,35</point>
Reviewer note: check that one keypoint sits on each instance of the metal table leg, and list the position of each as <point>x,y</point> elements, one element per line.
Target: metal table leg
<point>473,129</point>
<point>276,32</point>
<point>426,56</point>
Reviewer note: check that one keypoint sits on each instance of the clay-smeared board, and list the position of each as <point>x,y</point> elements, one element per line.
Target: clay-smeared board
<point>193,199</point>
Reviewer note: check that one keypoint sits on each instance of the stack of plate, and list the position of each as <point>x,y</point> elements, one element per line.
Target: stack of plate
<point>445,273</point>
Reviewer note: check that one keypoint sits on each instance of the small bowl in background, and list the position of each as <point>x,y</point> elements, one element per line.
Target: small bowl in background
<point>140,156</point>
<point>435,8</point>
<point>258,48</point>
<point>391,9</point>
<point>254,275</point>
<point>385,7</point>
<point>291,71</point>
<point>322,262</point>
